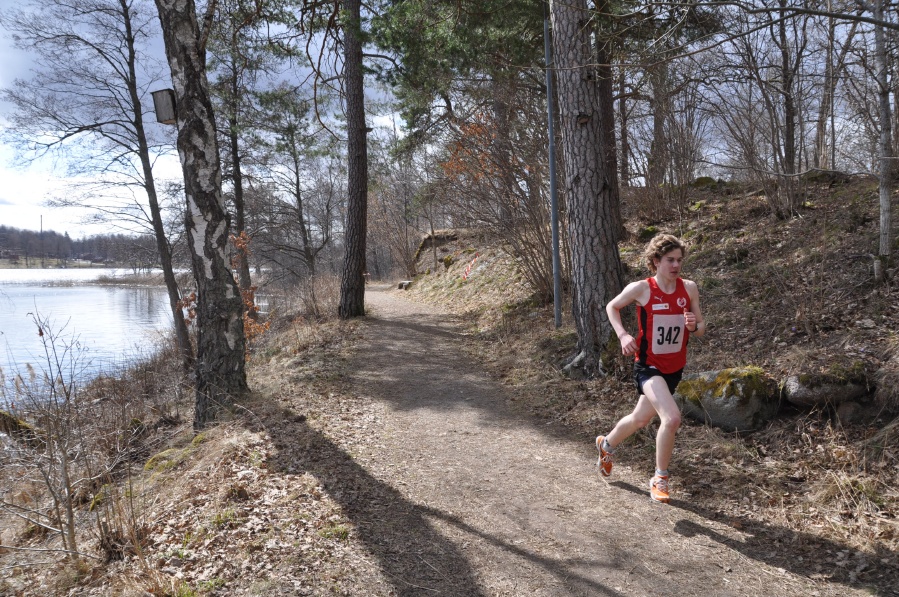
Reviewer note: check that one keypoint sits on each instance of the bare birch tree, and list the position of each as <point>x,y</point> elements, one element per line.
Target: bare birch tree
<point>885,145</point>
<point>221,345</point>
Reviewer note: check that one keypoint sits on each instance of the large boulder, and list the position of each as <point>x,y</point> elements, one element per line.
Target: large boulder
<point>822,389</point>
<point>740,399</point>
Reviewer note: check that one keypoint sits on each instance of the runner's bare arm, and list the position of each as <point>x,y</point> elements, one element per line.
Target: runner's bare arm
<point>694,318</point>
<point>635,292</point>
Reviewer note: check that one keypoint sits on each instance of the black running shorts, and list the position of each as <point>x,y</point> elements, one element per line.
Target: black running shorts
<point>642,374</point>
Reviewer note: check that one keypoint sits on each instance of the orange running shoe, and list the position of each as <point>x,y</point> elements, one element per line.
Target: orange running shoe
<point>605,458</point>
<point>658,489</point>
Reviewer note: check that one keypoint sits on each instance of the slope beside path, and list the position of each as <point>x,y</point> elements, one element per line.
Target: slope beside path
<point>464,496</point>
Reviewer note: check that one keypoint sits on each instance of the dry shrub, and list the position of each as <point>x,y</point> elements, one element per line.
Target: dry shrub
<point>648,204</point>
<point>887,379</point>
<point>316,297</point>
<point>86,437</point>
<point>852,493</point>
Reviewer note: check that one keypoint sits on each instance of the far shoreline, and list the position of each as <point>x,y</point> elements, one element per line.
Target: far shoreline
<point>54,263</point>
<point>97,275</point>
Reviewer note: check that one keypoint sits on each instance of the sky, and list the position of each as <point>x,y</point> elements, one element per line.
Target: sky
<point>24,189</point>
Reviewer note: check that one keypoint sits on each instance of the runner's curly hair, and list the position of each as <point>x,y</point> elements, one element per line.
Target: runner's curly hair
<point>661,245</point>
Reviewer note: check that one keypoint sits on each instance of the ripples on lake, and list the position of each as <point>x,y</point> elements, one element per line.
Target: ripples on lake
<point>102,327</point>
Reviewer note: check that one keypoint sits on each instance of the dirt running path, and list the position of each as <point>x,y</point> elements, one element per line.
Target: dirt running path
<point>497,503</point>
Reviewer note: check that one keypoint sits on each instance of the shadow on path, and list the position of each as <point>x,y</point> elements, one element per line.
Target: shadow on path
<point>411,553</point>
<point>416,557</point>
<point>759,544</point>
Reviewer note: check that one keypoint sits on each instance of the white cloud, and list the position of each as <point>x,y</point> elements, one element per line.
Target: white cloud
<point>23,195</point>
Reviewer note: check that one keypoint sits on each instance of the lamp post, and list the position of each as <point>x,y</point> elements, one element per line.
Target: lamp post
<point>553,193</point>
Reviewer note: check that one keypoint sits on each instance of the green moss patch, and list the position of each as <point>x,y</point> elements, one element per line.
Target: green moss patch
<point>754,381</point>
<point>167,459</point>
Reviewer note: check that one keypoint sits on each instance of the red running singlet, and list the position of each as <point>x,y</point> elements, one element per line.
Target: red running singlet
<point>662,336</point>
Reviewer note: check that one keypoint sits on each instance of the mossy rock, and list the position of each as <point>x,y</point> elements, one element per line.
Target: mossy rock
<point>841,383</point>
<point>828,177</point>
<point>166,460</point>
<point>648,232</point>
<point>448,261</point>
<point>99,497</point>
<point>18,429</point>
<point>697,205</point>
<point>740,399</point>
<point>735,255</point>
<point>703,181</point>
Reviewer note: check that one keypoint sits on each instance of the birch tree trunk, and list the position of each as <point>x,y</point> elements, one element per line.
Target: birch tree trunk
<point>221,351</point>
<point>591,188</point>
<point>352,284</point>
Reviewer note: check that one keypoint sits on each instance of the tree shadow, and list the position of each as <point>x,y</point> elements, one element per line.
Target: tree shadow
<point>413,554</point>
<point>781,547</point>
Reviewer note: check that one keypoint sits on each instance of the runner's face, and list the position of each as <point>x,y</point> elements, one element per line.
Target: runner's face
<point>668,267</point>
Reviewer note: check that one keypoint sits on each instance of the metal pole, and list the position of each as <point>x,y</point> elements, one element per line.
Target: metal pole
<point>553,194</point>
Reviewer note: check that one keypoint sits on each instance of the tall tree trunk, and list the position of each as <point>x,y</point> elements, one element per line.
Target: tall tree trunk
<point>309,252</point>
<point>234,123</point>
<point>826,106</point>
<point>622,124</point>
<point>162,244</point>
<point>221,350</point>
<point>886,147</point>
<point>182,336</point>
<point>835,67</point>
<point>788,188</point>
<point>893,74</point>
<point>502,149</point>
<point>606,83</point>
<point>352,283</point>
<point>591,189</point>
<point>659,156</point>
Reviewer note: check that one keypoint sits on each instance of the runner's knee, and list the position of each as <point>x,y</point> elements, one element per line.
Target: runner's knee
<point>671,420</point>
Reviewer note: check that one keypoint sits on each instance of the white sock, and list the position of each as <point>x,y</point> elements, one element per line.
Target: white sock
<point>607,446</point>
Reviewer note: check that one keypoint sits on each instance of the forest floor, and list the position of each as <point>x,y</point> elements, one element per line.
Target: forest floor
<point>433,448</point>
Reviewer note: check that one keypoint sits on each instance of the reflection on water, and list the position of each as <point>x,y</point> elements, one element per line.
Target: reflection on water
<point>106,326</point>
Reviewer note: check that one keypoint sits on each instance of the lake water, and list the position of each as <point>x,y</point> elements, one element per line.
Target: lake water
<point>106,326</point>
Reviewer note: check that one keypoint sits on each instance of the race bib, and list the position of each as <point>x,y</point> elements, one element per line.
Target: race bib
<point>667,333</point>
